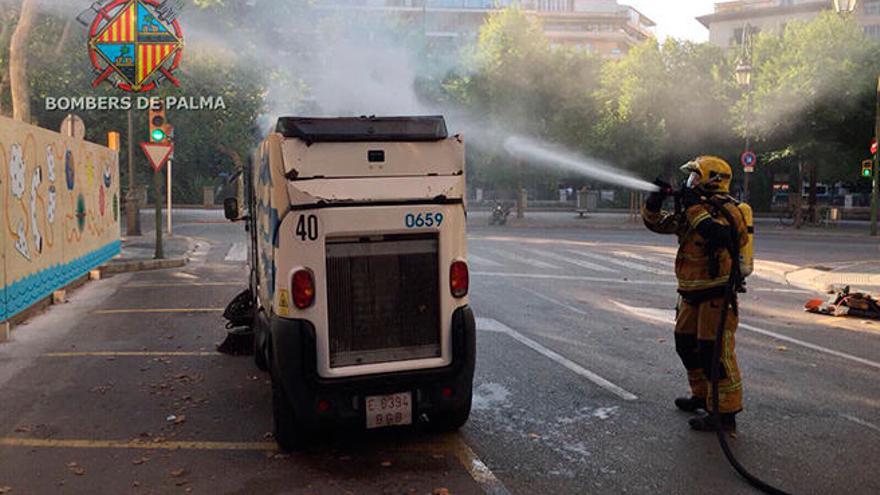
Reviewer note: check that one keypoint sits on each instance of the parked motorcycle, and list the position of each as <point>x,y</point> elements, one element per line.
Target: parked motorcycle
<point>499,215</point>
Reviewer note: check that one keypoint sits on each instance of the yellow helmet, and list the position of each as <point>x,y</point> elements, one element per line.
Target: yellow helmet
<point>709,173</point>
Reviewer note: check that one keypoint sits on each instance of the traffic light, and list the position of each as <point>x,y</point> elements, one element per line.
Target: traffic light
<point>868,168</point>
<point>158,124</point>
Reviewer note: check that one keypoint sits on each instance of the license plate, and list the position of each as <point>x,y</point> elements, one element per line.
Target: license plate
<point>389,410</point>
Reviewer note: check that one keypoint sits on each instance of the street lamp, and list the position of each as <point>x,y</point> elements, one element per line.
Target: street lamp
<point>845,7</point>
<point>743,75</point>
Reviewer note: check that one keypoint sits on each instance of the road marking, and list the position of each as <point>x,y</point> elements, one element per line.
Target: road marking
<point>808,345</point>
<point>238,252</point>
<point>477,469</point>
<point>668,317</point>
<point>482,261</point>
<point>861,422</point>
<point>577,278</point>
<point>639,257</point>
<point>583,264</point>
<point>178,284</point>
<point>527,261</point>
<point>785,291</point>
<point>156,310</point>
<point>135,444</point>
<point>554,301</point>
<point>626,264</point>
<point>497,326</point>
<point>128,354</point>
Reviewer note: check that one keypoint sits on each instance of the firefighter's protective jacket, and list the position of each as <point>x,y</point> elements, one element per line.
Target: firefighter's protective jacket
<point>703,263</point>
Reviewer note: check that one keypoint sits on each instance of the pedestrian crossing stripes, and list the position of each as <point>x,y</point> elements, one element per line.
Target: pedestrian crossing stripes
<point>619,262</point>
<point>565,259</point>
<point>526,260</point>
<point>544,258</point>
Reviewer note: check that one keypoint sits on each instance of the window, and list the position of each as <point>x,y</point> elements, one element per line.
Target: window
<point>872,7</point>
<point>872,31</point>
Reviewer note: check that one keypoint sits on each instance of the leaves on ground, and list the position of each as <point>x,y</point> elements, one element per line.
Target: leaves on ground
<point>139,461</point>
<point>440,491</point>
<point>5,489</point>
<point>386,463</point>
<point>177,473</point>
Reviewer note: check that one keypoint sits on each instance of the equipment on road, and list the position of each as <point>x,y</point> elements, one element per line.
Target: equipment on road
<point>846,303</point>
<point>359,277</point>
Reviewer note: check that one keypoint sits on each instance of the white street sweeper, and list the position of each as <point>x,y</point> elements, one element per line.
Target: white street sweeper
<point>359,275</point>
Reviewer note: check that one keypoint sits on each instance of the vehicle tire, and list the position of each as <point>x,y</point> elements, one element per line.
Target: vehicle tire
<point>290,435</point>
<point>450,420</point>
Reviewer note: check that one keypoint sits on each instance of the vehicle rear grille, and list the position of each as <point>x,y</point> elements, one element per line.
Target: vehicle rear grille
<point>383,300</point>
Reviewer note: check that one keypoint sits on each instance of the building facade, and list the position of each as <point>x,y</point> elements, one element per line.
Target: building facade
<point>603,27</point>
<point>730,20</point>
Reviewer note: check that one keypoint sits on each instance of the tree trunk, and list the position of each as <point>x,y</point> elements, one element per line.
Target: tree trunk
<point>18,81</point>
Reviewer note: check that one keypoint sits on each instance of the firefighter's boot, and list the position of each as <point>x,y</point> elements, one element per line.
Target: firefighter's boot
<point>708,422</point>
<point>690,404</point>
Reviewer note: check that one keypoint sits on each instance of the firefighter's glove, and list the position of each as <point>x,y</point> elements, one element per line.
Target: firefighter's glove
<point>655,200</point>
<point>690,197</point>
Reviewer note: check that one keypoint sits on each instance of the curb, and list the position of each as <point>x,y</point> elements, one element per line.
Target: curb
<point>141,265</point>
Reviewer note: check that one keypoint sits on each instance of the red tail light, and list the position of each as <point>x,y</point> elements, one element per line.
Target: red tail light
<point>303,289</point>
<point>458,279</point>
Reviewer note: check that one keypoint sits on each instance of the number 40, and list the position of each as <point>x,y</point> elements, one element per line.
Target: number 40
<point>307,227</point>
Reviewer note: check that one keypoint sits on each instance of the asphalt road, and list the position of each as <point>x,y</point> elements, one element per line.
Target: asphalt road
<point>576,373</point>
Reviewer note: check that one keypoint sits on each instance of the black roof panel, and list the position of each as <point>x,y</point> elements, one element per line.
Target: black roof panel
<point>354,129</point>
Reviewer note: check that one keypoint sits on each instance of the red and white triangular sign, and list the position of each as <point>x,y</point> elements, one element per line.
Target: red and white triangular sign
<point>157,153</point>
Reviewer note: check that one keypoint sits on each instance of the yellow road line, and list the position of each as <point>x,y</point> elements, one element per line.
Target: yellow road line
<point>179,284</point>
<point>156,310</point>
<point>135,444</point>
<point>129,354</point>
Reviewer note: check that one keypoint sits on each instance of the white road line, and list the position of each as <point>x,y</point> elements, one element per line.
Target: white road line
<point>785,291</point>
<point>668,317</point>
<point>581,263</point>
<point>483,261</point>
<point>577,278</point>
<point>238,252</point>
<point>478,470</point>
<point>808,345</point>
<point>497,326</point>
<point>527,261</point>
<point>861,422</point>
<point>639,257</point>
<point>555,301</point>
<point>606,258</point>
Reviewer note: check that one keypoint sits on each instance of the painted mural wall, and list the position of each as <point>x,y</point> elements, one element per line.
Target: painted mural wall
<point>59,212</point>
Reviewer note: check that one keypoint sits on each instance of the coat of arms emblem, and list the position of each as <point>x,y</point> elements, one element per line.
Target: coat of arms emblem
<point>135,44</point>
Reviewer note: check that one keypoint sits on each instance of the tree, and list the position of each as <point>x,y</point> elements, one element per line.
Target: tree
<point>18,59</point>
<point>813,94</point>
<point>664,104</point>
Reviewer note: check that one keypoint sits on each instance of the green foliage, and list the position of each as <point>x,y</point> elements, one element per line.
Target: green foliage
<point>813,93</point>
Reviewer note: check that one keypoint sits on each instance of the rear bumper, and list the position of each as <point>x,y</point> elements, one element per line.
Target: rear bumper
<point>294,363</point>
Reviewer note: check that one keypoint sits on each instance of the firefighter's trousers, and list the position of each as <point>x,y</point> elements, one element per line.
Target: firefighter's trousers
<point>695,328</point>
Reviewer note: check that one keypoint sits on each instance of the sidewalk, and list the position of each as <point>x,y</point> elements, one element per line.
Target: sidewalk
<point>137,254</point>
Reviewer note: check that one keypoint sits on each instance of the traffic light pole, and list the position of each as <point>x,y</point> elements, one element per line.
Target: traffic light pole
<point>876,167</point>
<point>168,196</point>
<point>132,208</point>
<point>157,191</point>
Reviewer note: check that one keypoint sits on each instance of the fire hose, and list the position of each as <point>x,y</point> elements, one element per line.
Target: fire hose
<point>730,302</point>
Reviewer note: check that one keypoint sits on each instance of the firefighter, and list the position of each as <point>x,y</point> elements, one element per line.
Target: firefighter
<point>704,266</point>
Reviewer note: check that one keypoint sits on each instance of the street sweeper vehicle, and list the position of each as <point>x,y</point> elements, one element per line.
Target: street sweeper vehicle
<point>359,274</point>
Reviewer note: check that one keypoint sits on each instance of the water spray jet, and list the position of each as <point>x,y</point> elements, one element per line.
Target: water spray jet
<point>560,158</point>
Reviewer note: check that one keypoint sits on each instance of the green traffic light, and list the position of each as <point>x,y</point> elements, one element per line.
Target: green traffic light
<point>158,135</point>
<point>866,172</point>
